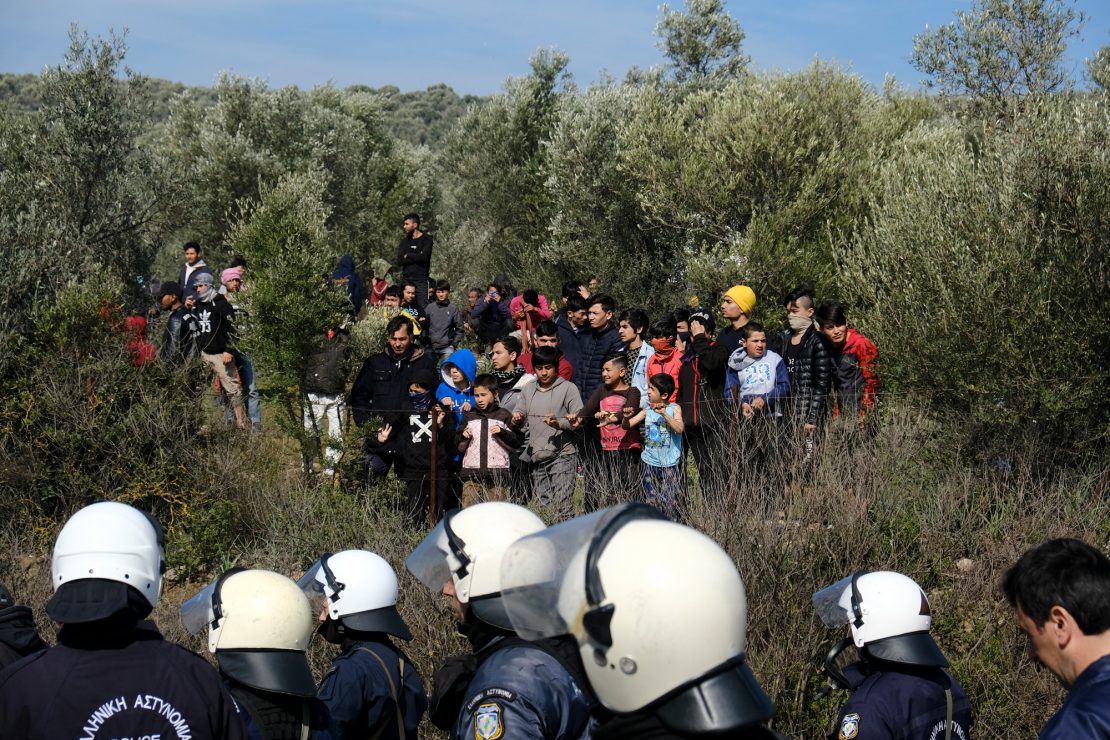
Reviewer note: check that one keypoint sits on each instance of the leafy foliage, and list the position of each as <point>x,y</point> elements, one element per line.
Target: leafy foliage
<point>703,44</point>
<point>1000,49</point>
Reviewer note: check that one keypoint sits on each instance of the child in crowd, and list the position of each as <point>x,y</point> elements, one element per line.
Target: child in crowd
<point>410,433</point>
<point>455,392</point>
<point>757,378</point>
<point>528,309</point>
<point>545,407</point>
<point>609,406</point>
<point>445,321</point>
<point>853,358</point>
<point>547,335</point>
<point>486,443</point>
<point>666,359</point>
<point>662,446</point>
<point>632,326</point>
<point>511,382</point>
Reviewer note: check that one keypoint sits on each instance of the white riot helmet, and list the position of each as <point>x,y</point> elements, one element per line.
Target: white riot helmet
<point>466,548</point>
<point>658,611</point>
<point>888,613</point>
<point>108,557</point>
<point>259,624</point>
<point>359,590</point>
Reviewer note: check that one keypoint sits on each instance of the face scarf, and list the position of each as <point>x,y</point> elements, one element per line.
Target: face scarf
<point>798,324</point>
<point>421,401</point>
<point>508,378</point>
<point>664,347</point>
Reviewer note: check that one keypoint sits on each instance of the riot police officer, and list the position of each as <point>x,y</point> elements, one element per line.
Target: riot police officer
<point>259,624</point>
<point>899,687</point>
<point>111,675</point>
<point>659,614</point>
<point>373,689</point>
<point>508,687</point>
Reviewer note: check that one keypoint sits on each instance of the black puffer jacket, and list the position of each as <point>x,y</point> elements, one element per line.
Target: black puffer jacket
<point>811,376</point>
<point>326,372</point>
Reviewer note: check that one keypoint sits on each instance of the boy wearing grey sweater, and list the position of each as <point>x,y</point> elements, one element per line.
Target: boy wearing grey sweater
<point>544,407</point>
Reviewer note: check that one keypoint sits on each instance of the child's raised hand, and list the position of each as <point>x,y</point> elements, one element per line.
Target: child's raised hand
<point>680,345</point>
<point>628,411</point>
<point>496,430</point>
<point>383,433</point>
<point>448,402</point>
<point>747,410</point>
<point>467,434</point>
<point>466,406</point>
<point>553,421</point>
<point>575,420</point>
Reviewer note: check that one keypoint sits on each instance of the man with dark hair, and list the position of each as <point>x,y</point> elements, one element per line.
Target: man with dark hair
<point>571,322</point>
<point>600,341</point>
<point>547,335</point>
<point>381,387</point>
<point>193,267</point>
<point>631,326</point>
<point>445,321</point>
<point>179,344</point>
<point>414,255</point>
<point>413,307</point>
<point>853,358</point>
<point>1061,593</point>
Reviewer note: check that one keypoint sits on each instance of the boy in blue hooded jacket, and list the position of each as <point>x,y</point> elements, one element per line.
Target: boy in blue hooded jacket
<point>456,392</point>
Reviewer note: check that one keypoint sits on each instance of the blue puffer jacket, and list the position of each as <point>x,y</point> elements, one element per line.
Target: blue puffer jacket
<point>465,361</point>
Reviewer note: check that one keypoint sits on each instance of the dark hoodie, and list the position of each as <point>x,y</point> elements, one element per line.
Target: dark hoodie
<point>18,635</point>
<point>346,269</point>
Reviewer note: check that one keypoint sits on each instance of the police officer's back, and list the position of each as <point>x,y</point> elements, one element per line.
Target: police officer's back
<point>372,689</point>
<point>259,624</point>
<point>900,690</point>
<point>507,687</point>
<point>658,613</point>
<point>111,675</point>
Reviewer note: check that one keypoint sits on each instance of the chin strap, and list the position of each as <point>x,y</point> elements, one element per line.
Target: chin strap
<point>837,680</point>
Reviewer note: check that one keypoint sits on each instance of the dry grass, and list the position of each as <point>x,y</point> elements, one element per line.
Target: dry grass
<point>902,498</point>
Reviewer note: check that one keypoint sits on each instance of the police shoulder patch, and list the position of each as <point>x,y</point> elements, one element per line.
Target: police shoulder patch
<point>849,726</point>
<point>488,724</point>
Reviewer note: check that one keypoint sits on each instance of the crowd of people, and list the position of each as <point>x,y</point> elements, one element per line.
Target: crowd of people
<point>621,622</point>
<point>616,624</point>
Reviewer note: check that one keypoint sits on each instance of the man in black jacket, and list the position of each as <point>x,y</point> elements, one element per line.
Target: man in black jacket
<point>414,255</point>
<point>702,386</point>
<point>381,387</point>
<point>18,635</point>
<point>324,381</point>
<point>179,343</point>
<point>216,333</point>
<point>112,675</point>
<point>810,366</point>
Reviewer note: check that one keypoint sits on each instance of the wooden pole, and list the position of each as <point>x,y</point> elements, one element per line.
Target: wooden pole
<point>434,503</point>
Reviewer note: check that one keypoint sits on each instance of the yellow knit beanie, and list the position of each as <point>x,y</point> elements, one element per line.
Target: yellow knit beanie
<point>744,297</point>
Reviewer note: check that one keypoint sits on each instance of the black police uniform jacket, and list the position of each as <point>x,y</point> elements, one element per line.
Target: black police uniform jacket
<point>891,702</point>
<point>130,684</point>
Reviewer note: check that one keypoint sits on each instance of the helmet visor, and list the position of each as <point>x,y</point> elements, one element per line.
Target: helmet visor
<point>826,603</point>
<point>313,583</point>
<point>546,585</point>
<point>196,613</point>
<point>429,562</point>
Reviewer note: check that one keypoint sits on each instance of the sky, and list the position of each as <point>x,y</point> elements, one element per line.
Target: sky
<point>471,45</point>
